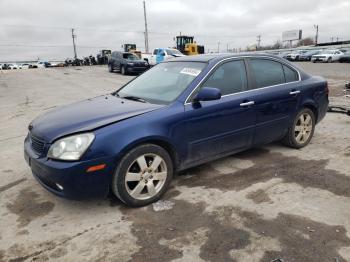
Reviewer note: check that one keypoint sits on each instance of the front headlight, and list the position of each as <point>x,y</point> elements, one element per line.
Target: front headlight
<point>71,147</point>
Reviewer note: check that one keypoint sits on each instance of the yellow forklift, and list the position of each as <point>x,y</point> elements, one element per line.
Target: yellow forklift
<point>187,45</point>
<point>131,48</point>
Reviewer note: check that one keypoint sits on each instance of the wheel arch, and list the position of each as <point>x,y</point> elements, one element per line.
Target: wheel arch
<point>159,141</point>
<point>313,108</point>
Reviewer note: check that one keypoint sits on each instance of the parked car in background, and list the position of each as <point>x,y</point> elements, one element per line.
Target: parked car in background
<point>307,55</point>
<point>12,66</point>
<point>294,56</point>
<point>25,66</point>
<point>327,56</point>
<point>283,54</point>
<point>161,54</point>
<point>181,113</point>
<point>43,64</point>
<point>345,57</point>
<point>126,63</point>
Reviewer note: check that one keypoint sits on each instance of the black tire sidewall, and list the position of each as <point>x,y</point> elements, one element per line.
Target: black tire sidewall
<point>110,68</point>
<point>118,181</point>
<point>291,133</point>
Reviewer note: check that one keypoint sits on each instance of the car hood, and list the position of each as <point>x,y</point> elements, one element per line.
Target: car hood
<point>86,115</point>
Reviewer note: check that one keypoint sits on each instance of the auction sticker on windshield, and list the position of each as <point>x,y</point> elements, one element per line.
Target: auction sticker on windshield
<point>190,71</point>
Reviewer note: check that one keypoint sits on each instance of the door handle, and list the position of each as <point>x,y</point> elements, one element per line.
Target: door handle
<point>294,92</point>
<point>247,103</point>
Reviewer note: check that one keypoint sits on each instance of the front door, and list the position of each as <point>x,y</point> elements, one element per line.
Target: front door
<point>215,128</point>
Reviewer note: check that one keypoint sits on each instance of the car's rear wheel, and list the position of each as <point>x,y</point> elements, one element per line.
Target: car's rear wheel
<point>302,129</point>
<point>143,175</point>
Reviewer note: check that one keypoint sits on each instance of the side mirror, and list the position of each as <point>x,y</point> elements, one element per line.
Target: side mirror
<point>207,94</point>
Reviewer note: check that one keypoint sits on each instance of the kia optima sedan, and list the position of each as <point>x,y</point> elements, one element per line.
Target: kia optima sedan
<point>179,114</point>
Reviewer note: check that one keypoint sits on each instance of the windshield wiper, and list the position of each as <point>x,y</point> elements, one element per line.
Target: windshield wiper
<point>135,98</point>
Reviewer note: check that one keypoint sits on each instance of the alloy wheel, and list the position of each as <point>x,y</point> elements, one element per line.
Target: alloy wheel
<point>146,176</point>
<point>303,128</point>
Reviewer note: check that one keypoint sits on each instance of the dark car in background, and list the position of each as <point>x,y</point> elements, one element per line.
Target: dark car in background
<point>345,58</point>
<point>307,55</point>
<point>181,113</point>
<point>126,63</point>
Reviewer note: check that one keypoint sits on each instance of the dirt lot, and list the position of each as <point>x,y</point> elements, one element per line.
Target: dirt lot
<point>259,205</point>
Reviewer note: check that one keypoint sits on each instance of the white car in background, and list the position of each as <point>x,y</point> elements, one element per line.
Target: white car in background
<point>327,56</point>
<point>25,66</point>
<point>13,66</point>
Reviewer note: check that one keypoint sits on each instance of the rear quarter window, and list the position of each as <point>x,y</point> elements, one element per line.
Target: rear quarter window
<point>290,74</point>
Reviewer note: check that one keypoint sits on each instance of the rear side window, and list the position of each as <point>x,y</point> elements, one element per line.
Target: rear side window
<point>230,78</point>
<point>155,51</point>
<point>290,74</point>
<point>267,72</point>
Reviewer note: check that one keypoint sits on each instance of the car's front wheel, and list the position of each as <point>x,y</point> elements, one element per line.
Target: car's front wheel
<point>123,70</point>
<point>110,68</point>
<point>143,175</point>
<point>329,60</point>
<point>301,130</point>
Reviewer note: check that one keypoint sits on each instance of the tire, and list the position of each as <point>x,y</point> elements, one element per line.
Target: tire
<point>329,60</point>
<point>137,184</point>
<point>123,70</point>
<point>295,138</point>
<point>110,68</point>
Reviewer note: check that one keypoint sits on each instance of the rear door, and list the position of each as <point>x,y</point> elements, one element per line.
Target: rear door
<point>275,92</point>
<point>214,128</point>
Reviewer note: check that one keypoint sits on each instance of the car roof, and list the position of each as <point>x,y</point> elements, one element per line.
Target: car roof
<point>218,56</point>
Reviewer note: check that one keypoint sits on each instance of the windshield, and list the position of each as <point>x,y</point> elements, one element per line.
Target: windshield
<point>163,83</point>
<point>173,52</point>
<point>130,56</point>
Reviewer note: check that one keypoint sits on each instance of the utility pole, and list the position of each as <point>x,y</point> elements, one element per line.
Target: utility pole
<point>146,29</point>
<point>337,39</point>
<point>258,40</point>
<point>316,37</point>
<point>332,39</point>
<point>75,50</point>
<point>219,47</point>
<point>227,48</point>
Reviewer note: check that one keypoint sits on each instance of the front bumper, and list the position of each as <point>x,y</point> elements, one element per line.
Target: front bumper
<point>319,59</point>
<point>70,179</point>
<point>134,69</point>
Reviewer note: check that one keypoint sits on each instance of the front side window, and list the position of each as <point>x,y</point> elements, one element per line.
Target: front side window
<point>163,83</point>
<point>230,78</point>
<point>267,72</point>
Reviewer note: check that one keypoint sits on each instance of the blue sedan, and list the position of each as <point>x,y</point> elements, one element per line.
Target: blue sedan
<point>181,113</point>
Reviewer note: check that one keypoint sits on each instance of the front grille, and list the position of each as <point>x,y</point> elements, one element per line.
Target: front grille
<point>37,144</point>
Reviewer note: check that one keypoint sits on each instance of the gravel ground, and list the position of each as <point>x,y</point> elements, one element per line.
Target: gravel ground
<point>259,205</point>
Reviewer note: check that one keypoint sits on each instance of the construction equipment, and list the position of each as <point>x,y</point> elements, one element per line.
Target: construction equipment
<point>131,48</point>
<point>187,45</point>
<point>103,56</point>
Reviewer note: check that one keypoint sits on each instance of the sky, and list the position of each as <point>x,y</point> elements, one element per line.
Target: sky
<point>42,28</point>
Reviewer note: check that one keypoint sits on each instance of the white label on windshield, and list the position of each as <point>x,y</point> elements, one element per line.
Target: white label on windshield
<point>190,71</point>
